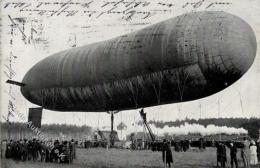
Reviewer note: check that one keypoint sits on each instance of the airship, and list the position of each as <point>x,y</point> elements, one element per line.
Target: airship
<point>184,58</point>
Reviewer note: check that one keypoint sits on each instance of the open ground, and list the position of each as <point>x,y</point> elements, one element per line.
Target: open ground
<point>119,158</point>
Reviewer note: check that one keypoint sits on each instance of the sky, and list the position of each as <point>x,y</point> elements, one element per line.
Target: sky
<point>46,35</point>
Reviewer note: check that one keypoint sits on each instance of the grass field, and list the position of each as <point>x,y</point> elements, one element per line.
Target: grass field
<point>118,158</point>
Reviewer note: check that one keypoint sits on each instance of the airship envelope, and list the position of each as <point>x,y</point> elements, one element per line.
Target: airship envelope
<point>181,59</point>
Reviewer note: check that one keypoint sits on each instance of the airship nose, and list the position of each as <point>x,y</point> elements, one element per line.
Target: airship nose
<point>38,80</point>
<point>28,80</point>
<point>229,49</point>
<point>240,46</point>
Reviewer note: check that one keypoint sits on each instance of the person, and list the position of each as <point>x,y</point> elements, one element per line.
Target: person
<point>167,153</point>
<point>253,154</point>
<point>218,146</point>
<point>71,151</point>
<point>201,145</point>
<point>73,144</point>
<point>3,147</point>
<point>223,155</point>
<point>56,150</point>
<point>244,153</point>
<point>23,149</point>
<point>186,145</point>
<point>258,149</point>
<point>34,149</point>
<point>48,153</point>
<point>181,145</point>
<point>43,152</point>
<point>177,146</point>
<point>38,150</point>
<point>233,155</point>
<point>30,150</point>
<point>8,151</point>
<point>64,153</point>
<point>16,150</point>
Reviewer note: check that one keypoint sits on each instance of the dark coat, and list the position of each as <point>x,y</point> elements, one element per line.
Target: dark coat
<point>223,153</point>
<point>233,151</point>
<point>218,152</point>
<point>8,152</point>
<point>166,149</point>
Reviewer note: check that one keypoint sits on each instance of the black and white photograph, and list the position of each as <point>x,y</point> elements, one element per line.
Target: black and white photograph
<point>130,83</point>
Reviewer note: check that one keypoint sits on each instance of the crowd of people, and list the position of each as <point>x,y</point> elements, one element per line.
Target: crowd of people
<point>36,150</point>
<point>249,153</point>
<point>181,146</point>
<point>65,151</point>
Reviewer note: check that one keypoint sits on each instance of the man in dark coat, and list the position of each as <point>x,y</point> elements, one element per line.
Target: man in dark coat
<point>73,145</point>
<point>167,153</point>
<point>30,150</point>
<point>223,155</point>
<point>34,150</point>
<point>16,150</point>
<point>23,149</point>
<point>233,155</point>
<point>201,145</point>
<point>218,146</point>
<point>48,154</point>
<point>8,152</point>
<point>258,149</point>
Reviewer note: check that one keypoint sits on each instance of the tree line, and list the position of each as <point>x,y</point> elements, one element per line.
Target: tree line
<point>18,127</point>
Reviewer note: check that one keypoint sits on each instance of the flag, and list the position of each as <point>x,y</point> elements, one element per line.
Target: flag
<point>35,116</point>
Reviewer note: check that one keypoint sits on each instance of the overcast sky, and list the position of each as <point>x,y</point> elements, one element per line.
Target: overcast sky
<point>242,99</point>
